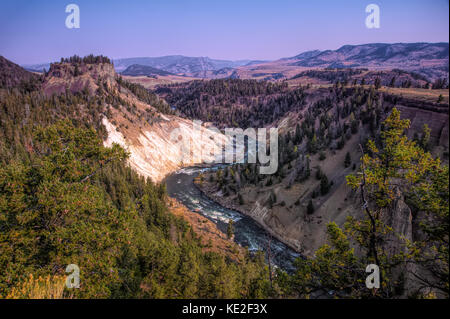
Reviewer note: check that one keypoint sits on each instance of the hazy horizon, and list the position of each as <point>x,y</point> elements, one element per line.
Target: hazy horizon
<point>214,58</point>
<point>254,30</point>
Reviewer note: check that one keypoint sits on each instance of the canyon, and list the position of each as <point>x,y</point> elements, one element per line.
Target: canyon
<point>155,154</point>
<point>321,128</point>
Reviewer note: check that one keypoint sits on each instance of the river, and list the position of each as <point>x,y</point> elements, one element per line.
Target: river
<point>180,185</point>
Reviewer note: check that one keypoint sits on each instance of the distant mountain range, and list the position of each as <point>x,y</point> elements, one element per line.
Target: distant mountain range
<point>144,70</point>
<point>374,54</point>
<point>428,59</point>
<point>176,64</point>
<point>192,66</point>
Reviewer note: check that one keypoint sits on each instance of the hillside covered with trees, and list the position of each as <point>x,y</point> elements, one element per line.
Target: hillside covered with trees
<point>356,181</point>
<point>67,199</point>
<point>349,159</point>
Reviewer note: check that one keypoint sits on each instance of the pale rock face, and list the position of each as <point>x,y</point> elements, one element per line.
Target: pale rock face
<point>169,145</point>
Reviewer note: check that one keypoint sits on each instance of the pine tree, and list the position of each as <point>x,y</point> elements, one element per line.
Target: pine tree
<point>76,71</point>
<point>324,185</point>
<point>312,144</point>
<point>310,208</point>
<point>319,173</point>
<point>348,160</point>
<point>401,165</point>
<point>322,156</point>
<point>401,168</point>
<point>392,83</point>
<point>240,199</point>
<point>230,229</point>
<point>425,139</point>
<point>298,137</point>
<point>377,83</point>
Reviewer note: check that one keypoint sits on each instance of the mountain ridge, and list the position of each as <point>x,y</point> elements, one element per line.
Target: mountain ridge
<point>428,59</point>
<point>139,70</point>
<point>179,63</point>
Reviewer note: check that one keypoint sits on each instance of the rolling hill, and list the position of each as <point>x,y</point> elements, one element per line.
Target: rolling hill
<point>12,75</point>
<point>143,70</point>
<point>178,64</point>
<point>427,59</point>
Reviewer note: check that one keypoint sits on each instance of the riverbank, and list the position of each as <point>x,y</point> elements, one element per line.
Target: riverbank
<point>247,232</point>
<point>211,194</point>
<point>211,237</point>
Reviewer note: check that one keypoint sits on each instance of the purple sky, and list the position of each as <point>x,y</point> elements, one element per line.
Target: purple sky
<point>34,31</point>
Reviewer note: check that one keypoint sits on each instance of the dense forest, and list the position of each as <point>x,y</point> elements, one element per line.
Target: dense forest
<point>89,59</point>
<point>323,126</point>
<point>332,75</point>
<point>67,199</point>
<point>391,78</point>
<point>251,103</point>
<point>233,102</point>
<point>392,167</point>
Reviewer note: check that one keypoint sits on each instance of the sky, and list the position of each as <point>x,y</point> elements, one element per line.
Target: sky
<point>33,31</point>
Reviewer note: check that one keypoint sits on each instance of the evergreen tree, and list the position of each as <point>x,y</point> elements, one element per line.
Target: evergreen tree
<point>377,83</point>
<point>240,199</point>
<point>230,229</point>
<point>298,137</point>
<point>324,185</point>
<point>322,156</point>
<point>425,139</point>
<point>319,173</point>
<point>392,83</point>
<point>398,165</point>
<point>310,208</point>
<point>313,144</point>
<point>348,160</point>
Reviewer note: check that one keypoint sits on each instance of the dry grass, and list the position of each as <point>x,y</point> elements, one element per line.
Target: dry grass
<point>418,94</point>
<point>150,83</point>
<point>49,287</point>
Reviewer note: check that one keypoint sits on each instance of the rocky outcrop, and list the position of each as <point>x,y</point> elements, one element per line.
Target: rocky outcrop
<point>399,218</point>
<point>167,145</point>
<point>78,77</point>
<point>436,121</point>
<point>405,228</point>
<point>159,144</point>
